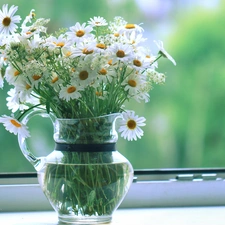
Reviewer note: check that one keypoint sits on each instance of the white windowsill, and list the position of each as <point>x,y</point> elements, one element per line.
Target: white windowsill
<point>145,216</point>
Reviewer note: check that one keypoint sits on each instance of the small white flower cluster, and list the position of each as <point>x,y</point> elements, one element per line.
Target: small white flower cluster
<point>91,69</point>
<point>157,78</point>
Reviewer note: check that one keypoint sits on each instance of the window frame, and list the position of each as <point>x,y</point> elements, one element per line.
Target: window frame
<point>150,188</point>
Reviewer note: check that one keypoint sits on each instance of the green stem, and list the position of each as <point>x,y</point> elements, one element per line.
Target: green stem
<point>35,106</point>
<point>157,58</point>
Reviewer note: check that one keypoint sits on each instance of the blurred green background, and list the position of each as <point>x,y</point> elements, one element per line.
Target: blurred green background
<point>185,117</point>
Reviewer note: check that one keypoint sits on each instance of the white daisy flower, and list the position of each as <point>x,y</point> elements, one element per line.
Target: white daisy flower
<point>140,63</point>
<point>35,73</point>
<point>163,52</point>
<point>103,72</point>
<point>36,78</point>
<point>70,92</point>
<point>55,81</point>
<point>121,52</point>
<point>101,95</point>
<point>106,74</point>
<point>12,75</point>
<point>100,48</point>
<point>84,76</point>
<point>78,32</point>
<point>13,101</point>
<point>133,82</point>
<point>130,27</point>
<point>97,21</point>
<point>83,49</point>
<point>68,51</point>
<point>8,20</point>
<point>130,126</point>
<point>24,91</point>
<point>14,126</point>
<point>57,42</point>
<point>134,39</point>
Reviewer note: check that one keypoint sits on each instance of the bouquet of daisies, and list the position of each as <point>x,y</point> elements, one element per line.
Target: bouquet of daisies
<point>88,70</point>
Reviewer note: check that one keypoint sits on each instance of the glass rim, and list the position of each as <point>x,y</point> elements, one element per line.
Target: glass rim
<point>116,115</point>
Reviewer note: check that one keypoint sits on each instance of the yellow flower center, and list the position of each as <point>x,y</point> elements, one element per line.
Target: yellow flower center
<point>137,63</point>
<point>80,33</point>
<point>100,45</point>
<point>6,21</point>
<point>131,124</point>
<point>120,53</point>
<point>55,79</point>
<point>116,34</point>
<point>130,26</point>
<point>15,123</point>
<point>68,54</point>
<point>60,44</point>
<point>103,71</point>
<point>110,62</point>
<point>87,52</point>
<point>83,75</point>
<point>27,86</point>
<point>71,89</point>
<point>148,56</point>
<point>98,93</point>
<point>16,73</point>
<point>132,83</point>
<point>28,32</point>
<point>36,77</point>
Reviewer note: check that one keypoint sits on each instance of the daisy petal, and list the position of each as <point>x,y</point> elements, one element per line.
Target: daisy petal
<point>163,52</point>
<point>14,126</point>
<point>130,126</point>
<point>8,20</point>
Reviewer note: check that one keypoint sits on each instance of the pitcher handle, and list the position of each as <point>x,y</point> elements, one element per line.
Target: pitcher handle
<point>37,162</point>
